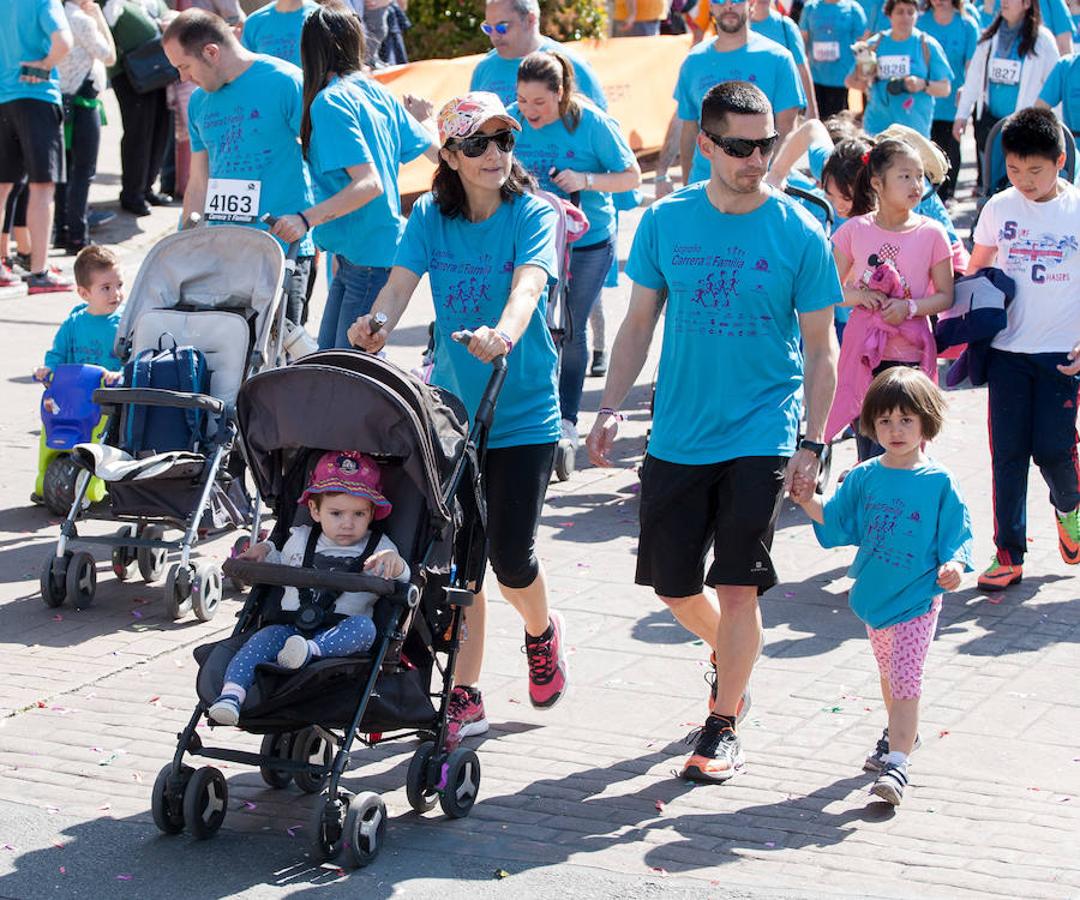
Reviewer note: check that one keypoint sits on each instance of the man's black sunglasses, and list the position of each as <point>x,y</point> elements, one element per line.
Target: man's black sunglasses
<point>477,144</point>
<point>741,148</point>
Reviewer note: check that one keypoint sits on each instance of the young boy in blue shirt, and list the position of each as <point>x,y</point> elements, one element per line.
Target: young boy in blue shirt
<point>86,337</point>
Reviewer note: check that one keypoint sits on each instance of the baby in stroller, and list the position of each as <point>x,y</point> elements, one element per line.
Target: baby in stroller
<point>345,500</point>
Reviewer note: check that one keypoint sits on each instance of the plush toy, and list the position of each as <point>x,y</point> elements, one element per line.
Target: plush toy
<point>865,59</point>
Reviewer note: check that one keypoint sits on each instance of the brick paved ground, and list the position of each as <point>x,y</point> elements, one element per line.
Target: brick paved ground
<point>582,798</point>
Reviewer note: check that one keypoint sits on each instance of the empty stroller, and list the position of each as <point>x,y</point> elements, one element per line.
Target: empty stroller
<point>344,399</point>
<point>185,295</point>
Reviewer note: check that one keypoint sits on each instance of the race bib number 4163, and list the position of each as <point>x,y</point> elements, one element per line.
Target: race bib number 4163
<point>232,200</point>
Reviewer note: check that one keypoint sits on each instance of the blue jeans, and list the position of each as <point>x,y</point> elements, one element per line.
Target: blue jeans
<point>352,294</point>
<point>588,269</point>
<point>352,635</point>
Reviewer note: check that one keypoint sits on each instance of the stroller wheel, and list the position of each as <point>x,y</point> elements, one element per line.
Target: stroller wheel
<point>421,796</point>
<point>123,557</point>
<point>54,578</point>
<point>206,798</point>
<point>365,827</point>
<point>277,746</point>
<point>178,591</point>
<point>80,581</point>
<point>565,463</point>
<point>152,560</point>
<point>58,484</point>
<point>206,591</point>
<point>311,746</point>
<point>329,827</point>
<point>167,801</point>
<point>460,783</point>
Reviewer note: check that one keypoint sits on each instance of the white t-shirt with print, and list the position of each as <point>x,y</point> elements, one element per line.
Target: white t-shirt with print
<point>1039,248</point>
<point>350,603</point>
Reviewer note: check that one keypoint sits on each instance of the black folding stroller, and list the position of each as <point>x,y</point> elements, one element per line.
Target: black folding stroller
<point>344,399</point>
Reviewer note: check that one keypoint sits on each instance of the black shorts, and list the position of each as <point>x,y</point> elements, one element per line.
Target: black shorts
<point>731,505</point>
<point>515,483</point>
<point>31,141</point>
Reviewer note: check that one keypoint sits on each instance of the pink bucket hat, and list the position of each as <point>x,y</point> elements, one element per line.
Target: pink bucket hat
<point>348,472</point>
<point>461,117</point>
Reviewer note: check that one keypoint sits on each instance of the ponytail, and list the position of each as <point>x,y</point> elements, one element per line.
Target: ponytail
<point>556,72</point>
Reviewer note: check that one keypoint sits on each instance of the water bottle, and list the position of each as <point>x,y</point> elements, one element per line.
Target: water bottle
<point>298,343</point>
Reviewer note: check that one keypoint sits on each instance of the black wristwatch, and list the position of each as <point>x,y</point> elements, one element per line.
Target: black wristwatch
<point>813,446</point>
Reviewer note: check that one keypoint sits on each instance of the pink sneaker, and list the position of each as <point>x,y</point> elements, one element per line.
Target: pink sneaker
<point>465,712</point>
<point>547,666</point>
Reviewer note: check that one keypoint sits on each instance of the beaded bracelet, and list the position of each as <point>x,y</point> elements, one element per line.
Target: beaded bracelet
<point>614,413</point>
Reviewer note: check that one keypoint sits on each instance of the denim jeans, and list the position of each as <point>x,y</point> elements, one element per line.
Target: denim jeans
<point>352,294</point>
<point>71,197</point>
<point>588,269</point>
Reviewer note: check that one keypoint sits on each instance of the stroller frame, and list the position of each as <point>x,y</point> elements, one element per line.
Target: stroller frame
<point>197,799</point>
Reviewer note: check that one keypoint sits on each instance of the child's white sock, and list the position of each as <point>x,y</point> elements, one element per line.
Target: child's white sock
<point>896,758</point>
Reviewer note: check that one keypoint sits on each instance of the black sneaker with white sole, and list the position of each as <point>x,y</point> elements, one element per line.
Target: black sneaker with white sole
<point>890,784</point>
<point>875,762</point>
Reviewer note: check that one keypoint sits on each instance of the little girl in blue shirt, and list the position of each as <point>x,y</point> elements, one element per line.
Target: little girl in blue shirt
<point>905,514</point>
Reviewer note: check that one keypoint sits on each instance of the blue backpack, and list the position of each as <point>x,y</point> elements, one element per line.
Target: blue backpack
<point>160,429</point>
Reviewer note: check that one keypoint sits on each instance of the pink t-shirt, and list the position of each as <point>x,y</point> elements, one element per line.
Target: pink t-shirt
<point>913,252</point>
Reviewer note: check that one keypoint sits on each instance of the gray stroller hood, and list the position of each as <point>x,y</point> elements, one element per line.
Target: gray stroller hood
<point>226,267</point>
<point>346,399</point>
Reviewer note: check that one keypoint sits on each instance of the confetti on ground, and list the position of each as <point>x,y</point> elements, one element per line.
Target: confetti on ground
<point>9,846</point>
<point>831,709</point>
<point>501,873</point>
<point>123,877</point>
<point>105,807</point>
<point>789,594</point>
<point>97,749</point>
<point>58,618</point>
<point>659,870</point>
<point>109,759</point>
<point>770,843</point>
<point>659,804</point>
<point>154,699</point>
<point>52,810</point>
<point>58,845</point>
<point>140,600</point>
<point>995,600</point>
<point>566,524</point>
<point>63,871</point>
<point>1062,799</point>
<point>137,777</point>
<point>292,829</point>
<point>249,805</point>
<point>943,732</point>
<point>136,614</point>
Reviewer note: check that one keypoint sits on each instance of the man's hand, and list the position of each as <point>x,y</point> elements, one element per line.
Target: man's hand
<point>870,298</point>
<point>385,564</point>
<point>802,488</point>
<point>289,228</point>
<point>361,335</point>
<point>113,378</point>
<point>948,576</point>
<point>1073,368</point>
<point>913,84</point>
<point>601,439</point>
<point>804,465</point>
<point>43,64</point>
<point>486,343</point>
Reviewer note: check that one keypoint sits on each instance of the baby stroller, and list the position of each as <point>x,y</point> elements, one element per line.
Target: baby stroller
<point>288,417</point>
<point>183,294</point>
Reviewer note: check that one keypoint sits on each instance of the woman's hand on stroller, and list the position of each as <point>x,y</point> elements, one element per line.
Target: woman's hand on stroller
<point>289,228</point>
<point>485,343</point>
<point>385,564</point>
<point>256,552</point>
<point>367,335</point>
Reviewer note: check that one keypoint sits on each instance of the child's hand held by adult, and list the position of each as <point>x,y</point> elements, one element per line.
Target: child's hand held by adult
<point>949,576</point>
<point>42,373</point>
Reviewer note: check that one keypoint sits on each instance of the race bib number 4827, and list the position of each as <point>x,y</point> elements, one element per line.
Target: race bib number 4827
<point>232,200</point>
<point>893,66</point>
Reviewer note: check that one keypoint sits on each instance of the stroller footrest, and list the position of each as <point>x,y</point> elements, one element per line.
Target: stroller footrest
<point>257,759</point>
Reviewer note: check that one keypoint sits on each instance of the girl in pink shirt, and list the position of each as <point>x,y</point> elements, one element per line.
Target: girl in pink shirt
<point>896,267</point>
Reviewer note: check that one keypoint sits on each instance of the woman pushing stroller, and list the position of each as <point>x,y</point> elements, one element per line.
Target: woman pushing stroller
<point>488,246</point>
<point>345,501</point>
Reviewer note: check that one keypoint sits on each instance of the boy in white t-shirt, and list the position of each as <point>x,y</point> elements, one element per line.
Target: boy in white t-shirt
<point>1032,232</point>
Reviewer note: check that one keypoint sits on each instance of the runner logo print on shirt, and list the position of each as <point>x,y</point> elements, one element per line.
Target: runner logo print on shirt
<point>710,308</point>
<point>1037,255</point>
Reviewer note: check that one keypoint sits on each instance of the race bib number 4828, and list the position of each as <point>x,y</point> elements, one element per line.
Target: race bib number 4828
<point>893,66</point>
<point>232,200</point>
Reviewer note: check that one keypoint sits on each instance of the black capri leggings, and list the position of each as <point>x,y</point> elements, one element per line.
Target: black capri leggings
<point>515,482</point>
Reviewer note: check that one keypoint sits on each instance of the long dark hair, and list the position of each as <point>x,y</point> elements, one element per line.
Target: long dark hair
<point>556,73</point>
<point>879,160</point>
<point>449,192</point>
<point>845,164</point>
<point>1029,29</point>
<point>332,41</point>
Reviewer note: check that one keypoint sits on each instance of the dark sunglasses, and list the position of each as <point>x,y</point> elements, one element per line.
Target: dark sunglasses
<point>497,28</point>
<point>477,144</point>
<point>742,148</point>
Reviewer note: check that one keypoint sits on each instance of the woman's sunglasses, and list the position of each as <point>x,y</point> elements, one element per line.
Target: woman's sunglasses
<point>497,28</point>
<point>477,144</point>
<point>742,148</point>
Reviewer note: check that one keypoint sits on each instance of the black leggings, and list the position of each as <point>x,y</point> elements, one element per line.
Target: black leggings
<point>941,134</point>
<point>515,482</point>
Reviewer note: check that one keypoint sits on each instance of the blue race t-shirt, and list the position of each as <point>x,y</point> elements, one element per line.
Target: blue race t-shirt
<point>27,37</point>
<point>276,33</point>
<point>906,523</point>
<point>832,28</point>
<point>596,145</point>
<point>471,268</point>
<point>86,340</point>
<point>731,369</point>
<point>249,129</point>
<point>760,61</point>
<point>781,29</point>
<point>355,120</point>
<point>958,39</point>
<point>1063,86</point>
<point>1003,89</point>
<point>498,75</point>
<point>898,59</point>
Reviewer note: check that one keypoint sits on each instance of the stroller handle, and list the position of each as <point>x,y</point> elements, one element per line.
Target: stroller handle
<point>294,248</point>
<point>485,409</point>
<point>277,575</point>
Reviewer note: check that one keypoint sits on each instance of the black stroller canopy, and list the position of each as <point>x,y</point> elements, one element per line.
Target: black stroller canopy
<point>340,399</point>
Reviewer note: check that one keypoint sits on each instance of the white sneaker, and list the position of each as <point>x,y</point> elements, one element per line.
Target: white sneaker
<point>570,434</point>
<point>295,654</point>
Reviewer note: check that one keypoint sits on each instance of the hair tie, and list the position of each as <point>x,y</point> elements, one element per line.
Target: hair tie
<point>866,158</point>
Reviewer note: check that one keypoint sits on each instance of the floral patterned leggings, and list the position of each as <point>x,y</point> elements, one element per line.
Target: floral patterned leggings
<point>900,651</point>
